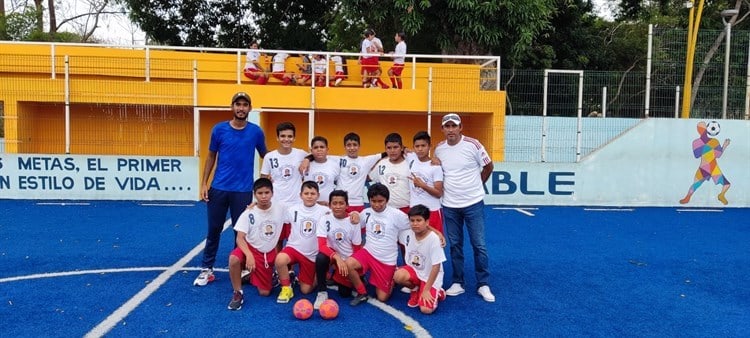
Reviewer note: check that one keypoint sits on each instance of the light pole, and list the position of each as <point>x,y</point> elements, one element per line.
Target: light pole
<point>726,14</point>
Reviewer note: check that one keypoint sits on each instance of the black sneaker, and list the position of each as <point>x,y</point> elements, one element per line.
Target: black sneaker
<point>275,280</point>
<point>236,302</point>
<point>359,299</point>
<point>293,279</point>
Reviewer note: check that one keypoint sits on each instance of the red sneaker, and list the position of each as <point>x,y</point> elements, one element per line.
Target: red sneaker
<point>413,298</point>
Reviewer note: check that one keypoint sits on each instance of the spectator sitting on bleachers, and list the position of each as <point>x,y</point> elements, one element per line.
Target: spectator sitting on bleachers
<point>305,69</point>
<point>253,69</point>
<point>340,69</point>
<point>320,66</point>
<point>279,70</point>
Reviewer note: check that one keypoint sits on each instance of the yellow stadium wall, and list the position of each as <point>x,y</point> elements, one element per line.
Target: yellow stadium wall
<point>103,79</point>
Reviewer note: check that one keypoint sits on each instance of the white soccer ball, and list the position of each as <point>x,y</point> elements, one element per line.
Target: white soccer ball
<point>713,128</point>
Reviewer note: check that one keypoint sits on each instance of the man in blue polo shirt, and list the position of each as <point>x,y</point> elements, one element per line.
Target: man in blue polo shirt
<point>232,152</point>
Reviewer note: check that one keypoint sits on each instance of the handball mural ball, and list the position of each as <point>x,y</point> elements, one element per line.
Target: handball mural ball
<point>303,309</point>
<point>329,309</point>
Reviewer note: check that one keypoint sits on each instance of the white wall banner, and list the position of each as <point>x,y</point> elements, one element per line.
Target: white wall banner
<point>97,177</point>
<point>660,162</point>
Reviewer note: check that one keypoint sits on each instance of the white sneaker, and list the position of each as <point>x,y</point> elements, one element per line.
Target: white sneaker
<point>337,82</point>
<point>405,290</point>
<point>245,276</point>
<point>485,292</point>
<point>455,290</point>
<point>206,276</point>
<point>322,297</point>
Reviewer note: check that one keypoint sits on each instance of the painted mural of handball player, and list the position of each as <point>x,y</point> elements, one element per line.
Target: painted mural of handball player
<point>708,149</point>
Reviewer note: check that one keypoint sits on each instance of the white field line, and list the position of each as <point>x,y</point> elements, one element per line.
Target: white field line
<point>166,204</point>
<point>700,210</point>
<point>608,209</point>
<point>63,203</point>
<point>97,272</point>
<point>521,210</point>
<point>111,321</point>
<point>409,322</point>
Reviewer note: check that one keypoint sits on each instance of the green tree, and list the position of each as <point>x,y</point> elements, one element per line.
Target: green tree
<point>276,24</point>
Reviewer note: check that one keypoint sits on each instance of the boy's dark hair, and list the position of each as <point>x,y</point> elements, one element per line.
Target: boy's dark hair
<point>422,135</point>
<point>351,137</point>
<point>319,138</point>
<point>378,189</point>
<point>402,36</point>
<point>394,137</point>
<point>420,210</point>
<point>285,126</point>
<point>309,185</point>
<point>340,193</point>
<point>262,183</point>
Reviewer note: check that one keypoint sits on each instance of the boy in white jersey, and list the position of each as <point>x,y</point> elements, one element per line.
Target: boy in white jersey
<point>320,66</point>
<point>383,224</point>
<point>427,179</point>
<point>338,239</point>
<point>338,65</point>
<point>394,173</point>
<point>302,245</point>
<point>253,69</point>
<point>354,169</point>
<point>282,165</point>
<point>398,61</point>
<point>423,272</point>
<point>323,170</point>
<point>278,69</point>
<point>258,232</point>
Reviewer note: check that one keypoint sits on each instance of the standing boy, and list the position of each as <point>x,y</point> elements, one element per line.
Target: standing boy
<point>282,165</point>
<point>423,272</point>
<point>232,149</point>
<point>394,172</point>
<point>427,180</point>
<point>323,170</point>
<point>354,169</point>
<point>258,233</point>
<point>338,239</point>
<point>302,245</point>
<point>398,61</point>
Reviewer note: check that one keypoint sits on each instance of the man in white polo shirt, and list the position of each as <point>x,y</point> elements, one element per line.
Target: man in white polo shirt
<point>466,166</point>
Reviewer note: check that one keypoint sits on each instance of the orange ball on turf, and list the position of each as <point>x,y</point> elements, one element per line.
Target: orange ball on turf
<point>329,309</point>
<point>303,309</point>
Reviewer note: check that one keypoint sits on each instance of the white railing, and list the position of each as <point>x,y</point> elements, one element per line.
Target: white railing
<point>483,61</point>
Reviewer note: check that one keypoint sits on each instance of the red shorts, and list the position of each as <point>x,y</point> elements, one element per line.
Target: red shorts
<point>405,210</point>
<point>252,73</point>
<point>339,75</point>
<point>279,75</point>
<point>338,278</point>
<point>306,267</point>
<point>436,220</point>
<point>414,280</point>
<point>304,77</point>
<point>264,264</point>
<point>381,275</point>
<point>370,64</point>
<point>397,69</point>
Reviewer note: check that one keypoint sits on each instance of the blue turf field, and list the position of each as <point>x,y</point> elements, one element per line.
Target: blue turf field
<point>556,272</point>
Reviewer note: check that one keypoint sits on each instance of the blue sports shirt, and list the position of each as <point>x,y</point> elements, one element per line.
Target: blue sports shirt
<point>235,152</point>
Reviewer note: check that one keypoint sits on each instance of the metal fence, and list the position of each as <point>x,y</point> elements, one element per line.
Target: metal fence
<point>624,93</point>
